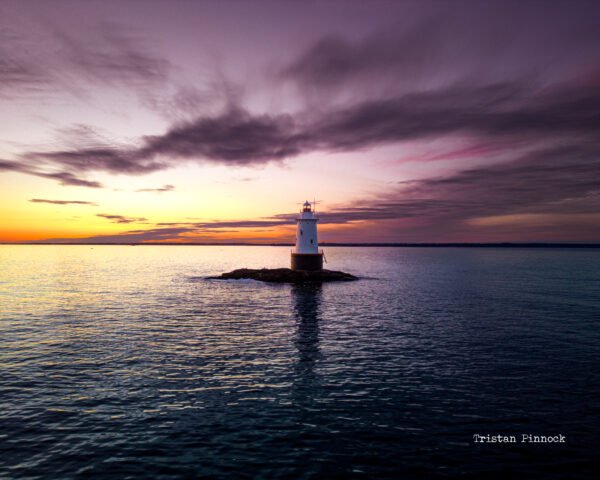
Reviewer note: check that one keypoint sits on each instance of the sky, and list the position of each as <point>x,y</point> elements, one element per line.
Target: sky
<point>212,121</point>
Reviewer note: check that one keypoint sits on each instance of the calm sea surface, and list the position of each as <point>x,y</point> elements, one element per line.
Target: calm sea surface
<point>124,362</point>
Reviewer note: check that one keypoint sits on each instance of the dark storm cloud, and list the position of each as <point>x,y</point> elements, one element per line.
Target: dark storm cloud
<point>164,188</point>
<point>240,138</point>
<point>121,218</point>
<point>63,202</point>
<point>236,138</point>
<point>490,111</point>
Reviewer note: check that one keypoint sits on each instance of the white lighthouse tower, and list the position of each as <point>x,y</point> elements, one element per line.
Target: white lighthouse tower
<point>306,255</point>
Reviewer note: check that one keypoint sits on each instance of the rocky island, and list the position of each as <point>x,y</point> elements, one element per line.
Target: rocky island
<point>306,259</point>
<point>286,275</point>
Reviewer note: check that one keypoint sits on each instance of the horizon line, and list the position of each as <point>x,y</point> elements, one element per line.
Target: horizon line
<point>573,244</point>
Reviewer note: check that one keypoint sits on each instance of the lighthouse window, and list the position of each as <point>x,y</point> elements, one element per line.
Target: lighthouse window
<point>311,241</point>
<point>301,232</point>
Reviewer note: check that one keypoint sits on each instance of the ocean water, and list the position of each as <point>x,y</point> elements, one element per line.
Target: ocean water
<point>125,362</point>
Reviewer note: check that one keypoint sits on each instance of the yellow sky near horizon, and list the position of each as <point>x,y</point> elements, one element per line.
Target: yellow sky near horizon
<point>201,193</point>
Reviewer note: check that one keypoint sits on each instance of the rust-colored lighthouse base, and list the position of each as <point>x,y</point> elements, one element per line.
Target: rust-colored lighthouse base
<point>307,261</point>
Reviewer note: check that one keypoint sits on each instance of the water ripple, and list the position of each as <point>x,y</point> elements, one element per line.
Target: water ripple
<point>126,363</point>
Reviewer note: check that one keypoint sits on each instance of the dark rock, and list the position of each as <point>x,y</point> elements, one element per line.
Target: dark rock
<point>286,275</point>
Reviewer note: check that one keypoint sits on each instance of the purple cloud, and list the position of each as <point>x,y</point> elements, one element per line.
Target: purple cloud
<point>121,218</point>
<point>164,188</point>
<point>113,55</point>
<point>63,177</point>
<point>239,138</point>
<point>63,202</point>
<point>109,54</point>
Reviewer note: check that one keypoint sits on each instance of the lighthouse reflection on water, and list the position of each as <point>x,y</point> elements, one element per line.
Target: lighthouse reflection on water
<point>307,300</point>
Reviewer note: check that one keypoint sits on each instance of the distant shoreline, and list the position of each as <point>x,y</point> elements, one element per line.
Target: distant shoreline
<point>391,245</point>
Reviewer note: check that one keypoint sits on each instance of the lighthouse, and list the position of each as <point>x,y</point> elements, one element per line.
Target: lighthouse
<point>306,255</point>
